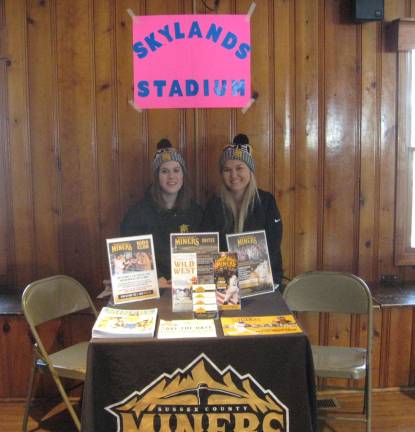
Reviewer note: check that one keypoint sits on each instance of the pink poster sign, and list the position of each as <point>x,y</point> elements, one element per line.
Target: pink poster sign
<point>191,61</point>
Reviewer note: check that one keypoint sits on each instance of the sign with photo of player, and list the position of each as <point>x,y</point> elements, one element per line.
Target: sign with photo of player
<point>225,270</point>
<point>254,268</point>
<point>133,269</point>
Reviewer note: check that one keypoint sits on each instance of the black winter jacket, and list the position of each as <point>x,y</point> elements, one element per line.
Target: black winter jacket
<point>147,218</point>
<point>264,216</point>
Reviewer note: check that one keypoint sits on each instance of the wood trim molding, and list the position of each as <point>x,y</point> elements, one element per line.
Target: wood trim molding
<point>404,254</point>
<point>3,34</point>
<point>402,34</point>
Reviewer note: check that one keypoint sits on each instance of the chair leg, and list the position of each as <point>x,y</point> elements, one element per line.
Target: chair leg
<point>67,402</point>
<point>369,407</point>
<point>29,393</point>
<point>367,401</point>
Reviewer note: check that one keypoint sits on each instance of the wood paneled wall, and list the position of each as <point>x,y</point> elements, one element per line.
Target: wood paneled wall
<point>75,155</point>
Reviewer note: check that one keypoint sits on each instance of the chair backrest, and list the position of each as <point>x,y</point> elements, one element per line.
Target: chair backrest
<point>324,291</point>
<point>54,297</point>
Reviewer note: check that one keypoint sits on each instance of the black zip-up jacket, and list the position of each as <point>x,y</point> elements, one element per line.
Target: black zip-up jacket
<point>147,218</point>
<point>264,216</point>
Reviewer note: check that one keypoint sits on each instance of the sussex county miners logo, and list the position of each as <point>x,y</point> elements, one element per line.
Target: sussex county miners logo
<point>201,398</point>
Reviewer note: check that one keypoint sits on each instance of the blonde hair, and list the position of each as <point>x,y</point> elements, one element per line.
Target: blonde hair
<point>235,215</point>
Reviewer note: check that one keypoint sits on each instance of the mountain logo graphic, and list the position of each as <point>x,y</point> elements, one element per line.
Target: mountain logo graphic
<point>201,398</point>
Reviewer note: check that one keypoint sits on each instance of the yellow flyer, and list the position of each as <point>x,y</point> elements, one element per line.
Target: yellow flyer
<point>259,325</point>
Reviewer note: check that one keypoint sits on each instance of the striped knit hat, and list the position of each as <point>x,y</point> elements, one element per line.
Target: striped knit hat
<point>241,150</point>
<point>165,153</point>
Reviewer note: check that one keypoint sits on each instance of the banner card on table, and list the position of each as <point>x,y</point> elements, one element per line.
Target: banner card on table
<point>259,325</point>
<point>191,61</point>
<point>186,329</point>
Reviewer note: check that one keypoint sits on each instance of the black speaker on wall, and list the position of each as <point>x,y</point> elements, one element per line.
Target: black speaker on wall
<point>368,10</point>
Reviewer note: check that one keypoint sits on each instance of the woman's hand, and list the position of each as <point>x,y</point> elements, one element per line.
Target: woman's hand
<point>164,283</point>
<point>107,289</point>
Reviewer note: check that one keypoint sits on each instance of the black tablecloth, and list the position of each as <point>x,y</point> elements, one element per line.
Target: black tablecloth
<point>260,383</point>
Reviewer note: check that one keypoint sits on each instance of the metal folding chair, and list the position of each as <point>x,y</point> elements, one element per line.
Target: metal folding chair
<point>44,300</point>
<point>338,293</point>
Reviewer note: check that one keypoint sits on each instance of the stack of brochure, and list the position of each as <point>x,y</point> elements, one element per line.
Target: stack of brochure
<point>204,301</point>
<point>123,323</point>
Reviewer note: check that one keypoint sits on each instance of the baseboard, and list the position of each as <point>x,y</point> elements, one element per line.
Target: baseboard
<point>374,390</point>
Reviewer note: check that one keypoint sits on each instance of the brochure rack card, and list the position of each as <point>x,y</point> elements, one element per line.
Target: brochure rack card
<point>225,275</point>
<point>183,276</point>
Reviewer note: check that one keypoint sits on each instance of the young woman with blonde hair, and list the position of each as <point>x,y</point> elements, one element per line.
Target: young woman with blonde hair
<point>240,206</point>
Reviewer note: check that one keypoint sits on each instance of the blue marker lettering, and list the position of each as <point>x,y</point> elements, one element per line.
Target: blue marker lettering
<point>205,87</point>
<point>218,91</point>
<point>238,87</point>
<point>230,40</point>
<point>175,89</point>
<point>143,90</point>
<point>152,43</point>
<point>195,30</point>
<point>159,84</point>
<point>243,51</point>
<point>165,31</point>
<point>177,32</point>
<point>192,87</point>
<point>140,49</point>
<point>214,32</point>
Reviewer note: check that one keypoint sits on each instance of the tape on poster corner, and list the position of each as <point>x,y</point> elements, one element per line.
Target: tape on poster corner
<point>137,108</point>
<point>131,13</point>
<point>248,105</point>
<point>250,11</point>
